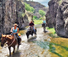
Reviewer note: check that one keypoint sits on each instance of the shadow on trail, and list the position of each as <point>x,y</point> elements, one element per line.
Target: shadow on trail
<point>45,31</point>
<point>32,39</point>
<point>16,54</point>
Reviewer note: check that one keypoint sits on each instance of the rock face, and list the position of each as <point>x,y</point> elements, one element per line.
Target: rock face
<point>10,13</point>
<point>37,6</point>
<point>29,15</point>
<point>51,14</point>
<point>62,19</point>
<point>57,17</point>
<point>21,11</point>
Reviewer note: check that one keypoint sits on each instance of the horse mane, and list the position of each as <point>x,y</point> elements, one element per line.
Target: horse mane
<point>7,36</point>
<point>3,35</point>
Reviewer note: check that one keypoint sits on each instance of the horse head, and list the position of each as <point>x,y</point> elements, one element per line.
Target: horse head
<point>3,40</point>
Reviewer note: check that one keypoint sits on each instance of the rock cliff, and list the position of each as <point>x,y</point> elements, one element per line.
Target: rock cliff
<point>51,14</point>
<point>57,17</point>
<point>62,19</point>
<point>10,13</point>
<point>37,6</point>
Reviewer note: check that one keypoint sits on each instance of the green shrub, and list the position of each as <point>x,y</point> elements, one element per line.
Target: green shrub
<point>40,18</point>
<point>37,22</point>
<point>35,18</point>
<point>42,13</point>
<point>60,2</point>
<point>29,8</point>
<point>53,33</point>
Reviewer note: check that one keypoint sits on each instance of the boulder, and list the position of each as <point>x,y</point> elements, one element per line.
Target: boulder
<point>57,17</point>
<point>22,19</point>
<point>11,12</point>
<point>29,15</point>
<point>51,14</point>
<point>62,19</point>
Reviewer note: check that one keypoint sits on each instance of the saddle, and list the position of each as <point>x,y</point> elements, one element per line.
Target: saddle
<point>29,29</point>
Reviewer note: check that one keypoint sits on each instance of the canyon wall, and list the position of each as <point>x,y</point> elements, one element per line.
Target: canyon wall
<point>11,12</point>
<point>57,17</point>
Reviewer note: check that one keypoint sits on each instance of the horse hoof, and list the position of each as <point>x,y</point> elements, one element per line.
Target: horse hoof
<point>10,55</point>
<point>27,37</point>
<point>13,52</point>
<point>19,43</point>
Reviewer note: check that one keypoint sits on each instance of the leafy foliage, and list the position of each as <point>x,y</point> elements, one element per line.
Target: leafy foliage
<point>29,8</point>
<point>35,18</point>
<point>42,13</point>
<point>37,22</point>
<point>60,2</point>
<point>52,32</point>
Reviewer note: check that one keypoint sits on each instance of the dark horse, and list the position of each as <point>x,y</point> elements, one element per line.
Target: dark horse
<point>44,26</point>
<point>30,31</point>
<point>11,42</point>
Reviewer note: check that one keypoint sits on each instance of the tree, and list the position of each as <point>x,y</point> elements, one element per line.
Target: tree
<point>42,13</point>
<point>29,8</point>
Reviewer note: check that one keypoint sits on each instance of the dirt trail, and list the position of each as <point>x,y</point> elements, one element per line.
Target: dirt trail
<point>36,46</point>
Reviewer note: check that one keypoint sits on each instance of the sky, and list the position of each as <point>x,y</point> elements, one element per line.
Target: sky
<point>44,2</point>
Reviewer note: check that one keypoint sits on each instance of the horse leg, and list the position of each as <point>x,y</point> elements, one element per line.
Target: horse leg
<point>32,33</point>
<point>17,47</point>
<point>14,49</point>
<point>19,41</point>
<point>28,36</point>
<point>9,50</point>
<point>44,29</point>
<point>35,32</point>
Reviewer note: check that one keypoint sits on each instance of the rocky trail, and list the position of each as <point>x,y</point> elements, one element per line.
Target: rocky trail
<point>36,46</point>
<point>41,45</point>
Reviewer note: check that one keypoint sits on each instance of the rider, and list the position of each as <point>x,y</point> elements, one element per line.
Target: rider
<point>44,21</point>
<point>15,31</point>
<point>44,24</point>
<point>31,24</point>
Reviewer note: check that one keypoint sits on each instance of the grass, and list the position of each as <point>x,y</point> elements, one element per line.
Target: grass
<point>60,2</point>
<point>53,51</point>
<point>37,22</point>
<point>22,32</point>
<point>52,32</point>
<point>59,46</point>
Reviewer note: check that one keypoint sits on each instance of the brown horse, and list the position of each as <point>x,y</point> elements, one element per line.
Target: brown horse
<point>11,42</point>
